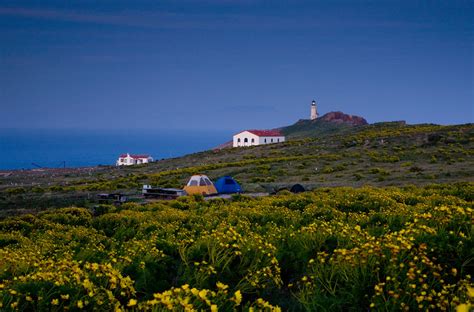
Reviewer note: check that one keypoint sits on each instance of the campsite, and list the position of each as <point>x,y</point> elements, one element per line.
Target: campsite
<point>200,185</point>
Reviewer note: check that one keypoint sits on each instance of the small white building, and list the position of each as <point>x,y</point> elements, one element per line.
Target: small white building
<point>128,160</point>
<point>257,137</point>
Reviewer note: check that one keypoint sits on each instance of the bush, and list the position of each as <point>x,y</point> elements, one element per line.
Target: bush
<point>379,171</point>
<point>68,216</point>
<point>15,191</point>
<point>330,249</point>
<point>416,169</point>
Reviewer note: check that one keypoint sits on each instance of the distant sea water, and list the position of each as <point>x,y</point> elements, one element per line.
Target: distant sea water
<point>19,149</point>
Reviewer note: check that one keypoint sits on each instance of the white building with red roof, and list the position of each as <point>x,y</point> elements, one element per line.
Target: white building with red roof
<point>128,160</point>
<point>257,137</point>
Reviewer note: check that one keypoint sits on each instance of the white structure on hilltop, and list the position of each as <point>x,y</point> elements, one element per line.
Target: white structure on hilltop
<point>128,160</point>
<point>314,110</point>
<point>257,137</point>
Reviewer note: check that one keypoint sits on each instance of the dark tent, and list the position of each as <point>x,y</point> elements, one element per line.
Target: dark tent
<point>227,185</point>
<point>297,188</point>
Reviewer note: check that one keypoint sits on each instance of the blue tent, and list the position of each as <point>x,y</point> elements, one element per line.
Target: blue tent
<point>227,185</point>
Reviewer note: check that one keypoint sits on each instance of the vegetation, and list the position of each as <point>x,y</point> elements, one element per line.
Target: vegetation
<point>385,154</point>
<point>330,249</point>
<point>391,241</point>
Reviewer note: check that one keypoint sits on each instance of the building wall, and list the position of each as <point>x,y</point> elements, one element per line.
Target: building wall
<point>245,135</point>
<point>128,161</point>
<point>314,112</point>
<point>125,161</point>
<point>256,139</point>
<point>270,140</point>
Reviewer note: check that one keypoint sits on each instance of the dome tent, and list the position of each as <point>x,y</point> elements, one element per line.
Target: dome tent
<point>297,188</point>
<point>200,184</point>
<point>227,185</point>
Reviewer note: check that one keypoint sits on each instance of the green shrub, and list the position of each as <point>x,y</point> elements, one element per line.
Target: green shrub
<point>15,190</point>
<point>379,171</point>
<point>416,169</point>
<point>68,216</point>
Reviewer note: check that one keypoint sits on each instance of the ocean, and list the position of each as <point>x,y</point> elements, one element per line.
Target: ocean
<point>21,149</point>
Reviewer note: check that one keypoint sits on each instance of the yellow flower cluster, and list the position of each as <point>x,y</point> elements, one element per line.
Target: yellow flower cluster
<point>367,248</point>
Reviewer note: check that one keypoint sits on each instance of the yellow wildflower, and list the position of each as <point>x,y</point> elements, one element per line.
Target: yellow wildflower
<point>462,308</point>
<point>238,297</point>
<point>222,286</point>
<point>132,303</point>
<point>203,294</point>
<point>470,291</point>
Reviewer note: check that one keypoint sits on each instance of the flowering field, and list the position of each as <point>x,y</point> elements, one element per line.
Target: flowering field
<point>332,249</point>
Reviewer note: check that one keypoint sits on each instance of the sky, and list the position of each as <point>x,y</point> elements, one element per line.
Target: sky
<point>232,64</point>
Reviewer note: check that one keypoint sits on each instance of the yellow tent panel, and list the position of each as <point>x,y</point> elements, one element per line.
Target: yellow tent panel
<point>200,184</point>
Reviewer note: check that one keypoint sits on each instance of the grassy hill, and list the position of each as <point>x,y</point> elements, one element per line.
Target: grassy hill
<point>401,238</point>
<point>314,128</point>
<point>317,154</point>
<point>328,124</point>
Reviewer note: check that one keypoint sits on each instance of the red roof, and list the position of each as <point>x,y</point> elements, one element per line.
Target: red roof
<point>265,133</point>
<point>135,156</point>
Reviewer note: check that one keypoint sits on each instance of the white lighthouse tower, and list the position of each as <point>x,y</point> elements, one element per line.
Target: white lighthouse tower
<point>314,110</point>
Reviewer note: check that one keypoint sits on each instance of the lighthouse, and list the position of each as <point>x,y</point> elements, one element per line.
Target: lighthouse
<point>314,110</point>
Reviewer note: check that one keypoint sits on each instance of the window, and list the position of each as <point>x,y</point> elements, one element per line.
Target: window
<point>238,140</point>
<point>253,140</point>
<point>202,182</point>
<point>229,182</point>
<point>208,182</point>
<point>278,140</point>
<point>246,140</point>
<point>265,140</point>
<point>193,183</point>
<point>272,140</point>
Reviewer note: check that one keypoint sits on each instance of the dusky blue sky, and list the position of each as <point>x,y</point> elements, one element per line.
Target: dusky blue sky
<point>232,64</point>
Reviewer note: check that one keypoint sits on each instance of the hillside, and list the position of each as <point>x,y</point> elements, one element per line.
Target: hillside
<point>387,225</point>
<point>384,154</point>
<point>330,123</point>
